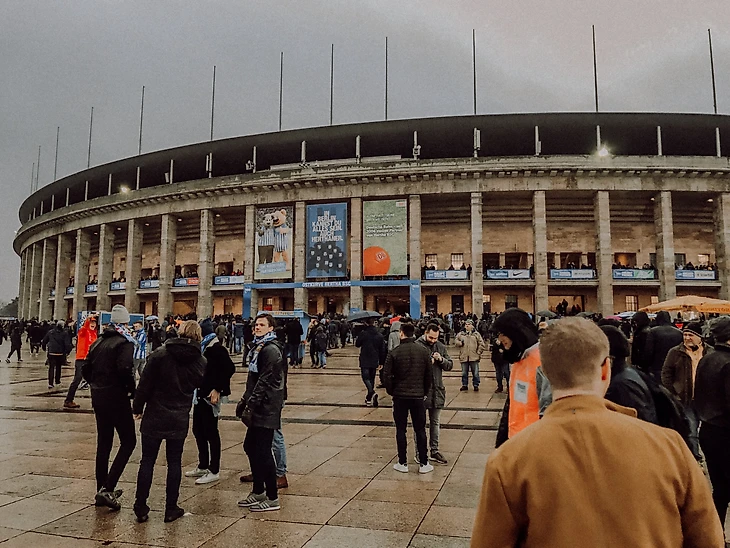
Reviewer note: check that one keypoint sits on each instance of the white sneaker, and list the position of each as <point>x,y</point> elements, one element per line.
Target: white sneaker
<point>401,467</point>
<point>196,473</point>
<point>210,477</point>
<point>425,469</point>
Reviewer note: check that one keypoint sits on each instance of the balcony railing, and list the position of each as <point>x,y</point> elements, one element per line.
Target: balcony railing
<point>572,274</point>
<point>634,274</point>
<point>446,275</point>
<point>117,286</point>
<point>507,274</point>
<point>91,288</point>
<point>70,290</point>
<point>149,284</point>
<point>696,275</point>
<point>186,282</point>
<point>228,280</point>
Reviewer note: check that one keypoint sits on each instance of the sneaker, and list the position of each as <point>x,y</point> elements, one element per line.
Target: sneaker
<point>209,477</point>
<point>400,467</point>
<point>498,390</point>
<point>196,473</point>
<point>83,385</point>
<point>266,505</point>
<point>248,478</point>
<point>117,493</point>
<point>368,403</point>
<point>107,498</point>
<point>173,514</point>
<point>70,405</point>
<point>252,499</point>
<point>375,400</point>
<point>282,482</point>
<point>438,457</point>
<point>463,389</point>
<point>50,387</point>
<point>476,389</point>
<point>425,468</point>
<point>7,360</point>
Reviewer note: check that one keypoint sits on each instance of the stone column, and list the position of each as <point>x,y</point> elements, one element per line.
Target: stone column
<point>604,252</point>
<point>48,278</point>
<point>168,257</point>
<point>133,268</point>
<point>249,257</point>
<point>539,228</point>
<point>356,295</point>
<point>106,266</point>
<point>414,236</point>
<point>63,264</point>
<point>21,285</point>
<point>722,243</point>
<point>301,297</point>
<point>35,279</point>
<point>206,264</point>
<point>477,280</point>
<point>665,245</point>
<point>81,270</point>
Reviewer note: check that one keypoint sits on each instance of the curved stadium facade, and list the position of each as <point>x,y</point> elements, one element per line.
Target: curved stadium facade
<point>605,211</point>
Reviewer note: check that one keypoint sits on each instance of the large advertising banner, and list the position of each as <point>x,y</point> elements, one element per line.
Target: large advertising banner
<point>327,240</point>
<point>274,242</point>
<point>385,238</point>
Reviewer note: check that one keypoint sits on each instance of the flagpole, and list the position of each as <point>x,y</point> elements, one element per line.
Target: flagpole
<point>474,65</point>
<point>386,77</point>
<point>91,126</point>
<point>38,168</point>
<point>595,67</point>
<point>141,119</point>
<point>712,68</point>
<point>212,106</point>
<point>281,86</point>
<point>332,80</point>
<point>55,163</point>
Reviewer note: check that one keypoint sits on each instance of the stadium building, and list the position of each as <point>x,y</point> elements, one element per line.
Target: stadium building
<point>604,212</point>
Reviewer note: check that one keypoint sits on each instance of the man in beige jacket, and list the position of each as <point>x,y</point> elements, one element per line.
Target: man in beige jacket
<point>471,347</point>
<point>589,473</point>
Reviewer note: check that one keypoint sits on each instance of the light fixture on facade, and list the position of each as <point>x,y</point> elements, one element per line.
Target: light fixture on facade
<point>124,189</point>
<point>710,200</point>
<point>603,152</point>
<point>179,219</point>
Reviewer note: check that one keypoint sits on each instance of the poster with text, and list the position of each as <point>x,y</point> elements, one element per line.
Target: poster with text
<point>327,240</point>
<point>274,242</point>
<point>385,238</point>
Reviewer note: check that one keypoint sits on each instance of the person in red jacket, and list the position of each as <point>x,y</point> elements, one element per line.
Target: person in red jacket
<point>84,339</point>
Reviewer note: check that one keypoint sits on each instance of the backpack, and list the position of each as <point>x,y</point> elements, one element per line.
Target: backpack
<point>321,340</point>
<point>670,412</point>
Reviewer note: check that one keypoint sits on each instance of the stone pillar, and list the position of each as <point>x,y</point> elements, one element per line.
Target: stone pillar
<point>477,280</point>
<point>665,245</point>
<point>356,295</point>
<point>35,279</point>
<point>81,270</point>
<point>249,266</point>
<point>48,278</point>
<point>106,266</point>
<point>722,243</point>
<point>539,229</point>
<point>168,257</point>
<point>301,298</point>
<point>63,264</point>
<point>21,284</point>
<point>206,264</point>
<point>502,260</point>
<point>604,252</point>
<point>414,236</point>
<point>133,268</point>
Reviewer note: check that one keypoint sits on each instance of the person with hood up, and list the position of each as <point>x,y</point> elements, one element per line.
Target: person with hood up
<point>659,341</point>
<point>472,347</point>
<point>109,371</point>
<point>85,337</point>
<point>207,405</point>
<point>394,335</point>
<point>640,322</point>
<point>529,389</point>
<point>163,401</point>
<point>57,343</point>
<point>627,388</point>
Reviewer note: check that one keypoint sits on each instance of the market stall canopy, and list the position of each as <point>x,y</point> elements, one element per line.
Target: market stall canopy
<point>692,302</point>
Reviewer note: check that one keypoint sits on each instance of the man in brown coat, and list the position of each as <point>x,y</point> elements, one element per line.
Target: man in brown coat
<point>589,473</point>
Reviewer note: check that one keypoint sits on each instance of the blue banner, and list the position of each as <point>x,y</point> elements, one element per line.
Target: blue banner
<point>695,275</point>
<point>117,286</point>
<point>92,288</point>
<point>228,280</point>
<point>149,284</point>
<point>327,240</point>
<point>447,275</point>
<point>633,274</point>
<point>572,274</point>
<point>508,274</point>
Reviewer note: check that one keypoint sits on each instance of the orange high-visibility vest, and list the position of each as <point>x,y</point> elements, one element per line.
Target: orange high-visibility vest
<point>524,407</point>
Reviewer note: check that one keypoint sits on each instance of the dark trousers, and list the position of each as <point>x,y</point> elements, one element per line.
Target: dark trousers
<point>715,442</point>
<point>173,454</point>
<point>55,362</point>
<point>207,437</point>
<point>314,356</point>
<point>107,421</point>
<point>502,371</point>
<point>292,350</point>
<point>368,377</point>
<point>14,349</point>
<point>79,364</point>
<point>417,409</point>
<point>257,446</point>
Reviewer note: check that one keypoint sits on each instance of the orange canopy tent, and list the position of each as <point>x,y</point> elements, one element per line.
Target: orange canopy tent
<point>692,302</point>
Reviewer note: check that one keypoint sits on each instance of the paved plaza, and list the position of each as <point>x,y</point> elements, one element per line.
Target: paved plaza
<point>342,491</point>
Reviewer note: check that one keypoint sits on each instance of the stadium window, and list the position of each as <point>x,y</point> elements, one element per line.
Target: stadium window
<point>510,301</point>
<point>632,303</point>
<point>432,260</point>
<point>703,260</point>
<point>457,259</point>
<point>680,259</point>
<point>654,299</point>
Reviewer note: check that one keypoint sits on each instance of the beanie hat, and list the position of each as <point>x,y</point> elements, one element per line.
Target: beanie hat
<point>694,327</point>
<point>720,329</point>
<point>206,326</point>
<point>618,344</point>
<point>120,314</point>
<point>61,323</point>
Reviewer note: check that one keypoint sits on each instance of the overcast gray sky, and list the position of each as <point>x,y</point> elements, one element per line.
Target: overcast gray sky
<point>60,58</point>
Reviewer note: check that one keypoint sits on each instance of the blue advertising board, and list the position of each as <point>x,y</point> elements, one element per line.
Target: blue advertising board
<point>327,240</point>
<point>149,284</point>
<point>228,280</point>
<point>572,274</point>
<point>447,275</point>
<point>633,274</point>
<point>508,274</point>
<point>695,275</point>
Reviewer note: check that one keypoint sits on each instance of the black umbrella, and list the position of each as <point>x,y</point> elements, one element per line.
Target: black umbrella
<point>546,314</point>
<point>363,315</point>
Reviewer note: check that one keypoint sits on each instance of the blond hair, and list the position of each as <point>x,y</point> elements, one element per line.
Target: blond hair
<point>572,351</point>
<point>190,330</point>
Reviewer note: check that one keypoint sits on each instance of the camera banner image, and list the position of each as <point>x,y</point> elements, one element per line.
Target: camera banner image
<point>274,242</point>
<point>327,240</point>
<point>385,238</point>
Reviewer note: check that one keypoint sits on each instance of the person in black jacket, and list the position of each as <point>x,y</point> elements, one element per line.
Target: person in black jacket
<point>207,406</point>
<point>260,410</point>
<point>57,343</point>
<point>16,341</point>
<point>294,334</point>
<point>407,378</point>
<point>640,322</point>
<point>163,400</point>
<point>659,341</point>
<point>373,351</point>
<point>109,372</point>
<point>712,403</point>
<point>627,388</point>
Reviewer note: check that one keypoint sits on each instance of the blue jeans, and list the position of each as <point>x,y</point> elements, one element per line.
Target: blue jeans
<point>279,449</point>
<point>238,343</point>
<point>322,358</point>
<point>465,366</point>
<point>292,352</point>
<point>368,377</point>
